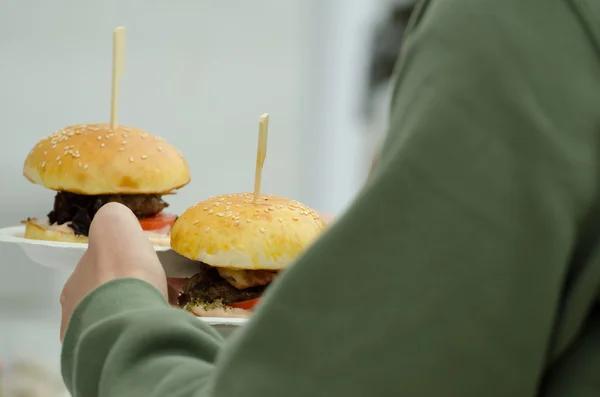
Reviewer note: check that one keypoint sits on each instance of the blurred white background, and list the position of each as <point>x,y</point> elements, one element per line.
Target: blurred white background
<point>199,73</point>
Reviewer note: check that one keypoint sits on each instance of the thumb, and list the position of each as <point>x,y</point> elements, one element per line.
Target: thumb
<point>118,243</point>
<point>113,221</point>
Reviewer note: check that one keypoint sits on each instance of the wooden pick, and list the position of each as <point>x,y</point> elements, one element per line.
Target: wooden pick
<point>261,152</point>
<point>117,73</point>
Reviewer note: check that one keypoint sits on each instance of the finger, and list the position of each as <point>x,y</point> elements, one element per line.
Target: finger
<point>64,322</point>
<point>116,236</point>
<point>113,221</point>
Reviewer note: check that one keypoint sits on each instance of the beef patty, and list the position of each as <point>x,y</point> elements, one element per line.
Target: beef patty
<point>80,209</point>
<point>207,286</point>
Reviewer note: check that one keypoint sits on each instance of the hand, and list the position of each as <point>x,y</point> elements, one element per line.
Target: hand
<point>117,248</point>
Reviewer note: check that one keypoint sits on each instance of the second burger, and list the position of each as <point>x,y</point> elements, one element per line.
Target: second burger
<point>240,244</point>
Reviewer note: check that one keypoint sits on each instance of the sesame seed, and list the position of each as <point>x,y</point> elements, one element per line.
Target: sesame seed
<point>220,214</point>
<point>237,205</point>
<point>99,137</point>
<point>85,167</point>
<point>236,223</point>
<point>205,209</point>
<point>131,159</point>
<point>280,220</point>
<point>124,143</point>
<point>226,208</point>
<point>266,210</point>
<point>121,149</point>
<point>59,162</point>
<point>101,145</point>
<point>57,158</point>
<point>160,149</point>
<point>248,220</point>
<point>196,222</point>
<point>43,164</point>
<point>221,199</point>
<point>206,230</point>
<point>262,230</point>
<point>229,203</point>
<point>295,218</point>
<point>80,165</point>
<point>144,157</point>
<point>217,204</point>
<point>210,211</point>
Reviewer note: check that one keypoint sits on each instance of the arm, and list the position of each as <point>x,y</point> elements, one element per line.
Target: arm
<point>443,278</point>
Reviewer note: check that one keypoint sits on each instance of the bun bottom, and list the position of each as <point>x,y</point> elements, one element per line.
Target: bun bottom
<point>36,229</point>
<point>230,312</point>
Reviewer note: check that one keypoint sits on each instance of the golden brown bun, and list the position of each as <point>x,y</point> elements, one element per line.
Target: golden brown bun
<point>234,231</point>
<point>37,229</point>
<point>92,159</point>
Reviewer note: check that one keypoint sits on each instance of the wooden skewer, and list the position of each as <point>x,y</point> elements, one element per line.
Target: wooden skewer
<point>261,152</point>
<point>117,73</point>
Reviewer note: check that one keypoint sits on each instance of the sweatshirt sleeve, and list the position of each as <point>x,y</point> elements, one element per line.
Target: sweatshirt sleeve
<point>445,275</point>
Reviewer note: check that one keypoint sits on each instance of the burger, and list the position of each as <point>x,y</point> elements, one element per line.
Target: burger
<point>89,165</point>
<point>240,245</point>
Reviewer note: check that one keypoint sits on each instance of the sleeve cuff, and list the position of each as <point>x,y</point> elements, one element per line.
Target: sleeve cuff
<point>115,297</point>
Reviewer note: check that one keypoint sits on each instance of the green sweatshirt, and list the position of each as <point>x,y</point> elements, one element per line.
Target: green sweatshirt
<point>469,265</point>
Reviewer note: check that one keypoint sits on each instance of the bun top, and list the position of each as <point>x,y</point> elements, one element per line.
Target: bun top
<point>92,159</point>
<point>235,231</point>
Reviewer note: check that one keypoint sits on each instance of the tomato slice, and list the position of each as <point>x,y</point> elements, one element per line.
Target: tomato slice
<point>158,221</point>
<point>246,305</point>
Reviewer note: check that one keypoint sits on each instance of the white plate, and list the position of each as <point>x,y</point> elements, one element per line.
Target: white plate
<point>225,326</point>
<point>64,256</point>
<point>224,320</point>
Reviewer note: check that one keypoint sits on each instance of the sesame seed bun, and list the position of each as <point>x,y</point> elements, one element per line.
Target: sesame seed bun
<point>92,159</point>
<point>235,231</point>
<point>37,229</point>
